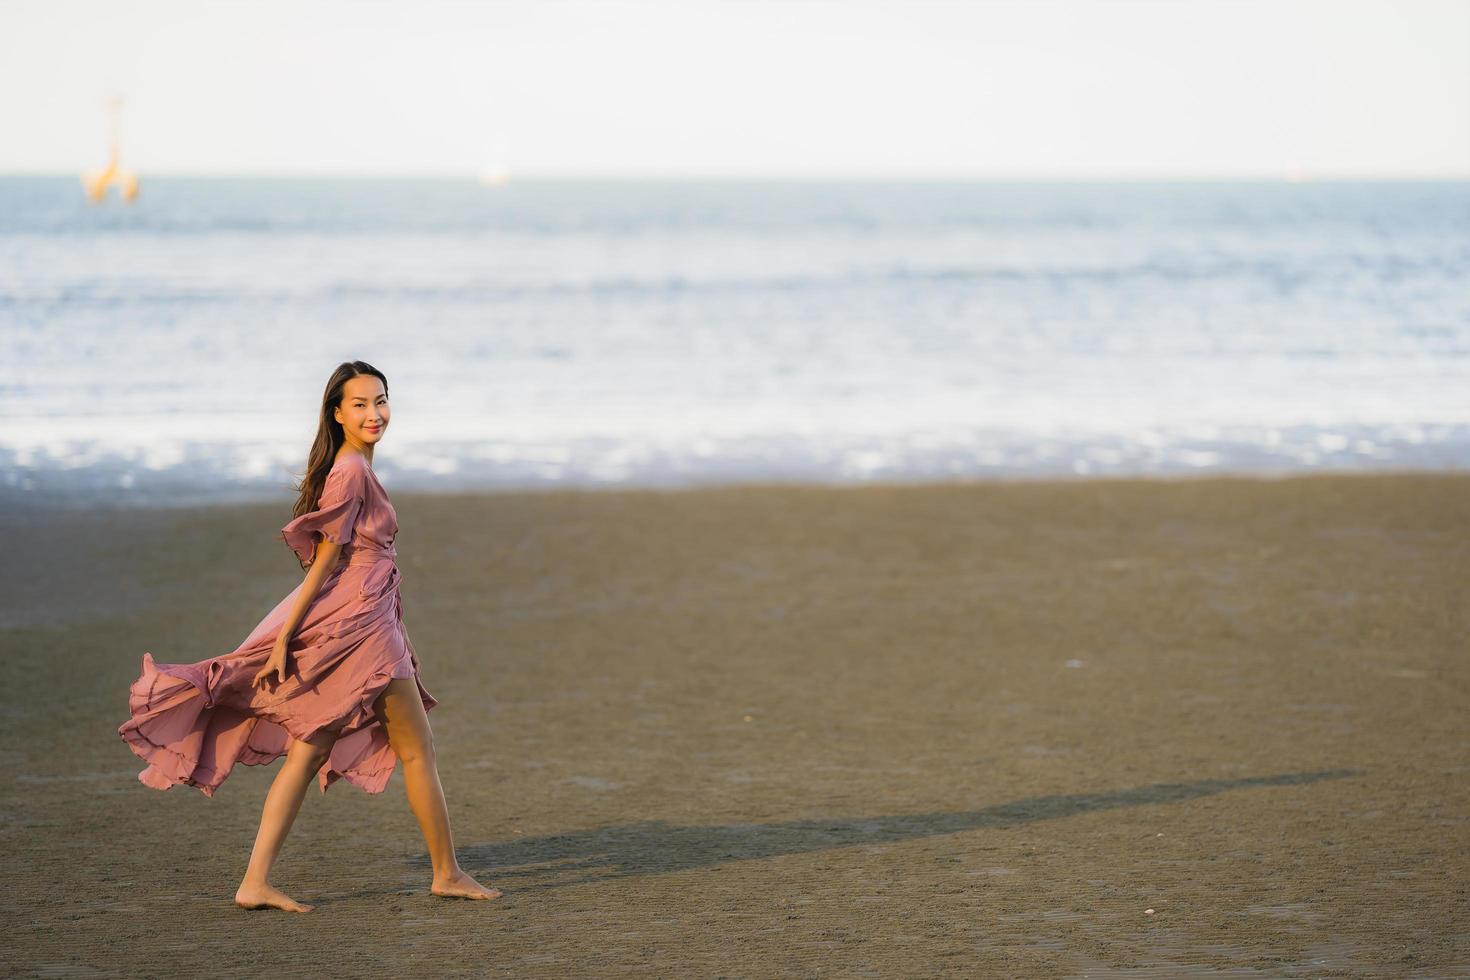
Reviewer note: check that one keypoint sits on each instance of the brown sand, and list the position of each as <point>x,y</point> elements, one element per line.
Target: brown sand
<point>963,730</point>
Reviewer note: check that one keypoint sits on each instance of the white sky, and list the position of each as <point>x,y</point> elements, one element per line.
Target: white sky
<point>1073,88</point>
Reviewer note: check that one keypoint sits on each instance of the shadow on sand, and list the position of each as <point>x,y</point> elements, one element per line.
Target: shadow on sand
<point>656,847</point>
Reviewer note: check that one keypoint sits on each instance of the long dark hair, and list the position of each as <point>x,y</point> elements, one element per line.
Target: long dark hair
<point>329,436</point>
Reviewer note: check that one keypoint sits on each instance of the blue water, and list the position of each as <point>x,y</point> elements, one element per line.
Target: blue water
<point>657,333</point>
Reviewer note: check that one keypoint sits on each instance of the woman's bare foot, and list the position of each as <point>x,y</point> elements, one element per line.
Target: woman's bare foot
<point>461,885</point>
<point>266,897</point>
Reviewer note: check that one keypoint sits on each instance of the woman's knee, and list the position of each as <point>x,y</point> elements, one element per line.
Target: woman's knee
<point>402,714</point>
<point>414,747</point>
<point>312,754</point>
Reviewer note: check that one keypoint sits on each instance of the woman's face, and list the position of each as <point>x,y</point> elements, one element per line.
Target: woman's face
<point>363,411</point>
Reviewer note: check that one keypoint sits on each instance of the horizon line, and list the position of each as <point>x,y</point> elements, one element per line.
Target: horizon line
<point>508,176</point>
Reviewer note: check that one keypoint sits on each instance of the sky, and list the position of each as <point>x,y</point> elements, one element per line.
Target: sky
<point>742,88</point>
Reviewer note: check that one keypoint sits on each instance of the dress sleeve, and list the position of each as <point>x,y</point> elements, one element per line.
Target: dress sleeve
<point>334,518</point>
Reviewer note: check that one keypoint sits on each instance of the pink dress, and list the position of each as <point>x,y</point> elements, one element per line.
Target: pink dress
<point>192,722</point>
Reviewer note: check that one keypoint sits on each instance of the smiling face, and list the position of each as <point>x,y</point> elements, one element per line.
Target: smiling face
<point>363,410</point>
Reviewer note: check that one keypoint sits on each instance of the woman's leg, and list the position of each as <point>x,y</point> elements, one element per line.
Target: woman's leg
<point>303,760</point>
<point>401,711</point>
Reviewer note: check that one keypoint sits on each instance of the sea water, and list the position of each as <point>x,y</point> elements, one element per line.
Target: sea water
<point>672,333</point>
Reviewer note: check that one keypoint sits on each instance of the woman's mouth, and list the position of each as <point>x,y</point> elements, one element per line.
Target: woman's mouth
<point>373,428</point>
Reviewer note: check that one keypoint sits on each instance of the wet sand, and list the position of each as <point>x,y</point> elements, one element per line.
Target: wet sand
<point>946,730</point>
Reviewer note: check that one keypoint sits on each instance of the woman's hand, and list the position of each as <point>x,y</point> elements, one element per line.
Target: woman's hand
<point>275,665</point>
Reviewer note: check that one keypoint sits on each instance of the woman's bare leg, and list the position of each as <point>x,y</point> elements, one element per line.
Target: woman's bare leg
<point>303,760</point>
<point>401,711</point>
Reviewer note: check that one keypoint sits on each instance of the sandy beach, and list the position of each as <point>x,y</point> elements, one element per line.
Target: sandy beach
<point>940,730</point>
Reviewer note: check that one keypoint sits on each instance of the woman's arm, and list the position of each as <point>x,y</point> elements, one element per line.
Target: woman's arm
<point>327,553</point>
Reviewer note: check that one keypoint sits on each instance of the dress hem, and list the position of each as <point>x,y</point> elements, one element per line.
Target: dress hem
<point>167,767</point>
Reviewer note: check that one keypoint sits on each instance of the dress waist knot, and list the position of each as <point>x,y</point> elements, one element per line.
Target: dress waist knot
<point>382,576</point>
<point>367,555</point>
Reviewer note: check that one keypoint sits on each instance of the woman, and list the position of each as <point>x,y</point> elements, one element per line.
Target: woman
<point>328,679</point>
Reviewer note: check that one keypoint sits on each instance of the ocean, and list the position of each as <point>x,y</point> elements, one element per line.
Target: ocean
<point>549,333</point>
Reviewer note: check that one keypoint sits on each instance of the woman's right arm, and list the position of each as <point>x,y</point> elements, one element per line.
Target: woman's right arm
<point>321,566</point>
<point>327,553</point>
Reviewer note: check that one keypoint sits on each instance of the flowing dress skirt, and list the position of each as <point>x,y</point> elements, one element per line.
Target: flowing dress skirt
<point>192,722</point>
